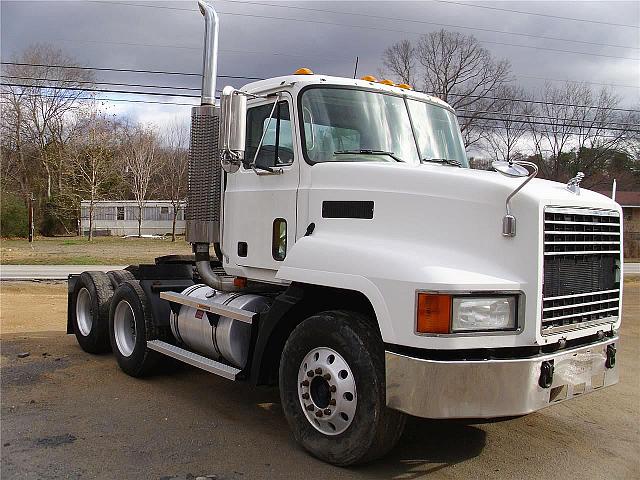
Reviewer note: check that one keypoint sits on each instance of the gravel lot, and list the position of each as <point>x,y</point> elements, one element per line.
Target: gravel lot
<point>67,414</point>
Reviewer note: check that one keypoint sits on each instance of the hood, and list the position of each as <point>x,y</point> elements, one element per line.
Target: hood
<point>455,184</point>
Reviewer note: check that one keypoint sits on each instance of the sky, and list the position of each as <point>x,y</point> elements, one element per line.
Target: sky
<point>325,36</point>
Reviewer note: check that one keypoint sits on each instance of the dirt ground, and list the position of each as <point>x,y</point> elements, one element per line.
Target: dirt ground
<point>79,251</point>
<point>66,414</point>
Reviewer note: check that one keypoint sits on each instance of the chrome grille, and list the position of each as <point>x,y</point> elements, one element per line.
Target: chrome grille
<point>581,268</point>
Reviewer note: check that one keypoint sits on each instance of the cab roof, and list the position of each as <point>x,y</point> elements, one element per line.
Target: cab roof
<point>289,81</point>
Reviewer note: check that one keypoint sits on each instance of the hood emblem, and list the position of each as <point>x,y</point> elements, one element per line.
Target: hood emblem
<point>573,185</point>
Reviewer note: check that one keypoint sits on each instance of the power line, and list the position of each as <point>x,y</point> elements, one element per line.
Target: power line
<point>189,47</point>
<point>305,56</point>
<point>124,100</point>
<point>576,81</point>
<point>192,104</point>
<point>541,102</point>
<point>521,12</point>
<point>142,5</point>
<point>321,22</point>
<point>100,90</point>
<point>463,114</point>
<point>100,83</point>
<point>424,22</point>
<point>535,122</point>
<point>128,70</point>
<point>585,122</point>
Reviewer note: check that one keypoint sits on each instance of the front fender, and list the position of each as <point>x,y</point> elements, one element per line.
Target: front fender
<point>389,274</point>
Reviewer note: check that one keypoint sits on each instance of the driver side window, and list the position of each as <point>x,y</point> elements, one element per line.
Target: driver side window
<point>277,146</point>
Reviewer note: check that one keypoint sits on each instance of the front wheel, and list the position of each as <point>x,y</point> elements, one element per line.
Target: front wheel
<point>332,387</point>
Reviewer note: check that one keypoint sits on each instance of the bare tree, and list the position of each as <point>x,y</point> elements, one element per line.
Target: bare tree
<point>455,68</point>
<point>92,157</point>
<point>400,60</point>
<point>141,162</point>
<point>173,178</point>
<point>575,130</point>
<point>509,126</point>
<point>38,97</point>
<point>460,71</point>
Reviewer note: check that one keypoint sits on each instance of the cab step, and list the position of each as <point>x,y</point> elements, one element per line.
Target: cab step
<point>207,306</point>
<point>194,359</point>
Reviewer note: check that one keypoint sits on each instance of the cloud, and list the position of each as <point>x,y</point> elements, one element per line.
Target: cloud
<point>263,47</point>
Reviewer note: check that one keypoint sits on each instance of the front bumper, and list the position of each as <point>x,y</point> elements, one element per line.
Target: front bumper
<point>494,388</point>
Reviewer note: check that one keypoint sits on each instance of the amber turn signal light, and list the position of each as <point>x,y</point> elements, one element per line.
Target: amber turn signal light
<point>434,313</point>
<point>240,282</point>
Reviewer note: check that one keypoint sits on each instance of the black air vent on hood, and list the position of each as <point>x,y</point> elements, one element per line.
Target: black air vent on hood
<point>347,209</point>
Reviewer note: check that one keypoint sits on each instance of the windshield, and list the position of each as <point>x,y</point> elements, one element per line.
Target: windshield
<point>437,132</point>
<point>344,124</point>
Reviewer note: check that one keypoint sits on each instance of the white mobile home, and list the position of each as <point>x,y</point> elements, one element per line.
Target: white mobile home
<point>120,217</point>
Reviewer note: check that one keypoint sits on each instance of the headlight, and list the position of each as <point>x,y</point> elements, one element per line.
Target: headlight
<point>483,313</point>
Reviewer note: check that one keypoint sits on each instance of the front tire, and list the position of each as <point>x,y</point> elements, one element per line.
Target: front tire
<point>332,388</point>
<point>129,323</point>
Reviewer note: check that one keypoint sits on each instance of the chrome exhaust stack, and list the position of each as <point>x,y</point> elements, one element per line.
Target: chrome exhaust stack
<point>205,172</point>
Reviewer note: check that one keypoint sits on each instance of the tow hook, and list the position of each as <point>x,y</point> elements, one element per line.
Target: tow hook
<point>546,374</point>
<point>611,356</point>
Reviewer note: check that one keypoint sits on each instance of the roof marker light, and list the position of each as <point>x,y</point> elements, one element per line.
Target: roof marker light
<point>386,82</point>
<point>303,71</point>
<point>369,78</point>
<point>405,86</point>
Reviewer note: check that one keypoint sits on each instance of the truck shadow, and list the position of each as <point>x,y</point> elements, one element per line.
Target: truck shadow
<point>426,447</point>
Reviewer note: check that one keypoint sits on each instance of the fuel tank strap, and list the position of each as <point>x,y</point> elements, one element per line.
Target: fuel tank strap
<point>217,308</point>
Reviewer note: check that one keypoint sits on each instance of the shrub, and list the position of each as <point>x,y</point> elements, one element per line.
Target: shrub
<point>14,217</point>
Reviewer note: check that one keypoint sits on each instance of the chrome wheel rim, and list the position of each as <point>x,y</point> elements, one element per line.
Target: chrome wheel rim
<point>124,328</point>
<point>83,312</point>
<point>327,391</point>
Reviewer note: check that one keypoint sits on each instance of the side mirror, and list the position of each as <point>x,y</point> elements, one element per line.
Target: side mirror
<point>233,128</point>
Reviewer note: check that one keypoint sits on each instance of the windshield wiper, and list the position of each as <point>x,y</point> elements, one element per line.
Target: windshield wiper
<point>447,161</point>
<point>368,152</point>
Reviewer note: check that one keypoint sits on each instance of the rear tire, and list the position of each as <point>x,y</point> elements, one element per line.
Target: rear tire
<point>130,322</point>
<point>119,276</point>
<point>90,312</point>
<point>333,391</point>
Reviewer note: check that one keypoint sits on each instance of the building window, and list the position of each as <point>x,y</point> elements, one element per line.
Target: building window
<point>164,210</point>
<point>627,213</point>
<point>120,213</point>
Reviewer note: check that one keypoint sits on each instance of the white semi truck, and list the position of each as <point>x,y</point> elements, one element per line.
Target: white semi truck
<point>364,268</point>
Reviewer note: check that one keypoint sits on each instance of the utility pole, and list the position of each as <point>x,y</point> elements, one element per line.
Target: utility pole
<point>31,226</point>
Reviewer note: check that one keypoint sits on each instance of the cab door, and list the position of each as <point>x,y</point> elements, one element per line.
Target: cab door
<point>260,203</point>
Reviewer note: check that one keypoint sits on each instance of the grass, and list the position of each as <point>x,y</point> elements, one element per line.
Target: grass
<point>79,251</point>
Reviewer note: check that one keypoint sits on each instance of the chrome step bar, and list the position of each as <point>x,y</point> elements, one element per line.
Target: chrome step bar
<point>217,308</point>
<point>194,359</point>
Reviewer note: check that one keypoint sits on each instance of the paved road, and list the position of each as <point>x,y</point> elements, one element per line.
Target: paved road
<point>60,272</point>
<point>48,272</point>
<point>67,414</point>
<point>632,268</point>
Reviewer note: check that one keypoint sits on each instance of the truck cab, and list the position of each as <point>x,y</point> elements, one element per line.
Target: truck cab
<point>365,269</point>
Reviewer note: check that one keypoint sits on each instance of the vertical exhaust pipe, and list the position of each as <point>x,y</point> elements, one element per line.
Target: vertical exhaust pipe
<point>210,55</point>
<point>205,171</point>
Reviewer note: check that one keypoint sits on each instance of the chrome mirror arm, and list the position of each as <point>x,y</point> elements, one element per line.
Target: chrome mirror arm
<point>509,220</point>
